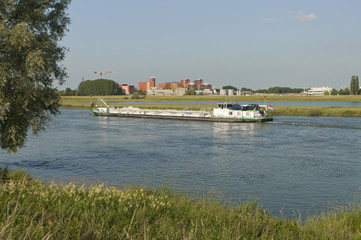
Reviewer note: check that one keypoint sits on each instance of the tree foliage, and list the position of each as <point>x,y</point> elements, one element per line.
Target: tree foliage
<point>334,92</point>
<point>230,87</point>
<point>345,91</point>
<point>30,59</point>
<point>100,87</point>
<point>354,85</point>
<point>281,90</point>
<point>190,92</point>
<point>69,92</point>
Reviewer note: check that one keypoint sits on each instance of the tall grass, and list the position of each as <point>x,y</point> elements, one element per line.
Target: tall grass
<point>119,101</point>
<point>215,98</point>
<point>317,111</point>
<point>30,209</point>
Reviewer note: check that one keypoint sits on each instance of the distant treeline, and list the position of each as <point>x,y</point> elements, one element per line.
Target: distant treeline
<point>99,87</point>
<point>274,90</point>
<point>286,90</point>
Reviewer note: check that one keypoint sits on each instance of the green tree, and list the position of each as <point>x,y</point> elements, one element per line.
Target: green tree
<point>262,91</point>
<point>100,87</point>
<point>190,92</point>
<point>345,91</point>
<point>280,90</point>
<point>246,89</point>
<point>230,87</point>
<point>30,59</point>
<point>334,92</point>
<point>354,85</point>
<point>68,92</point>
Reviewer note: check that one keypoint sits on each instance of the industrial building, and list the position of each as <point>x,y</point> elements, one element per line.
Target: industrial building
<point>128,88</point>
<point>186,83</point>
<point>318,91</point>
<point>144,86</point>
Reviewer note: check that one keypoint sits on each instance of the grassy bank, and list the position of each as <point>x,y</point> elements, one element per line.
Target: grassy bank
<point>200,98</point>
<point>84,102</point>
<point>317,111</point>
<point>31,210</point>
<point>119,101</point>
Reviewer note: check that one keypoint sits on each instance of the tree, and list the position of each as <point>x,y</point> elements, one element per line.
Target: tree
<point>190,92</point>
<point>100,87</point>
<point>354,86</point>
<point>246,89</point>
<point>280,90</point>
<point>230,87</point>
<point>69,92</point>
<point>345,91</point>
<point>30,59</point>
<point>262,91</point>
<point>334,92</point>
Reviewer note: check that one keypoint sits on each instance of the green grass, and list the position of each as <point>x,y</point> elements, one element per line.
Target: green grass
<point>317,111</point>
<point>30,209</point>
<point>200,98</point>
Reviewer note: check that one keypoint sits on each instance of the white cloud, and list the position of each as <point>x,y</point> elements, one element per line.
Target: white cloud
<point>302,17</point>
<point>270,20</point>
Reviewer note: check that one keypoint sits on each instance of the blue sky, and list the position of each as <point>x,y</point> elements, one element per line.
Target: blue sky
<point>251,43</point>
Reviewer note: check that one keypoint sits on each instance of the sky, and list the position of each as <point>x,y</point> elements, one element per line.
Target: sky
<point>255,44</point>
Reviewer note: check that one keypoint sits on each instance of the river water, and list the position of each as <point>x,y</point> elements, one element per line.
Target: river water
<point>294,165</point>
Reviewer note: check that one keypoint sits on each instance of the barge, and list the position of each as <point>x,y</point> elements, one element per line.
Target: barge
<point>225,112</point>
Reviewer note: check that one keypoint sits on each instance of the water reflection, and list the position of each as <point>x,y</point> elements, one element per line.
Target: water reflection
<point>227,130</point>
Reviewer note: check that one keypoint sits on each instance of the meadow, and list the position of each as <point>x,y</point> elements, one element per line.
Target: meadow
<point>120,101</point>
<point>31,209</point>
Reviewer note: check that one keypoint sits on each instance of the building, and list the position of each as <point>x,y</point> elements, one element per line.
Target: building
<point>206,92</point>
<point>160,92</point>
<point>199,84</point>
<point>318,91</point>
<point>186,84</point>
<point>165,92</point>
<point>168,85</point>
<point>128,88</point>
<point>144,86</point>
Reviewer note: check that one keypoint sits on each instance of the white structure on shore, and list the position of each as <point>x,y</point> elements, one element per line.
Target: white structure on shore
<point>318,91</point>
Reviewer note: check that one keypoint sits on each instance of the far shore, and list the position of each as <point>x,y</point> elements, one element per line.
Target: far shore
<point>126,100</point>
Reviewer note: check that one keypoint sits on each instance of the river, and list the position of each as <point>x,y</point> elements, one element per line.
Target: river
<point>294,165</point>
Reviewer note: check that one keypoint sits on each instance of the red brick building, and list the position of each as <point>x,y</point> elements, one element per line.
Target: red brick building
<point>145,85</point>
<point>169,85</point>
<point>128,88</point>
<point>186,83</point>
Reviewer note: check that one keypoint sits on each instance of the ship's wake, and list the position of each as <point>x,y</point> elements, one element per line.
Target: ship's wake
<point>315,125</point>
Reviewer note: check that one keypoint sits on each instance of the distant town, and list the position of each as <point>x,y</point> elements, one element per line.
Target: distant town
<point>200,87</point>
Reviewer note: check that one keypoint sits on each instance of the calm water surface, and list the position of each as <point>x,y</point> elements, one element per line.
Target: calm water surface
<point>295,164</point>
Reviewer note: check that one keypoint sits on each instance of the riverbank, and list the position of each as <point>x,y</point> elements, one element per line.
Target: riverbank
<point>30,209</point>
<point>120,101</point>
<point>212,98</point>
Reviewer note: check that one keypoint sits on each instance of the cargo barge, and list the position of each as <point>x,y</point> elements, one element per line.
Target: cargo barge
<point>225,112</point>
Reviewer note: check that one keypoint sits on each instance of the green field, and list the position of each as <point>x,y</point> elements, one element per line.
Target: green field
<point>200,98</point>
<point>30,209</point>
<point>119,101</point>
